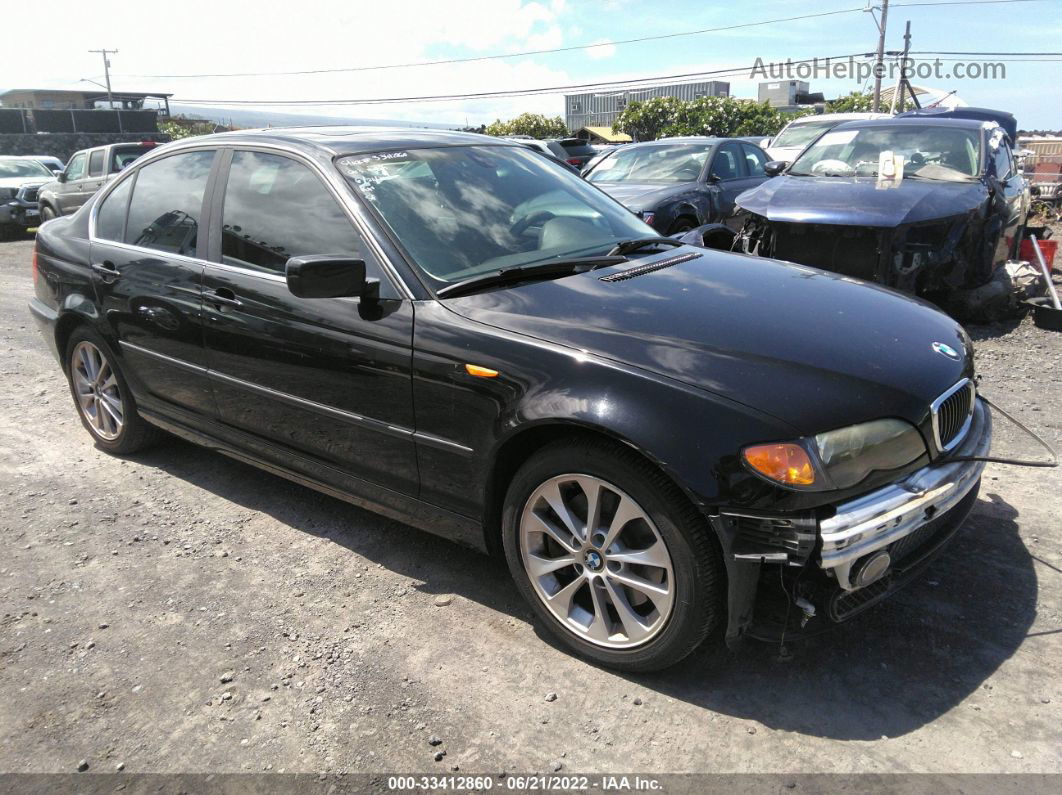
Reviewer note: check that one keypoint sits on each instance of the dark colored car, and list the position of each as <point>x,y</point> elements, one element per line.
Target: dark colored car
<point>676,184</point>
<point>85,173</point>
<point>20,180</point>
<point>660,439</point>
<point>577,151</point>
<point>550,149</point>
<point>944,227</point>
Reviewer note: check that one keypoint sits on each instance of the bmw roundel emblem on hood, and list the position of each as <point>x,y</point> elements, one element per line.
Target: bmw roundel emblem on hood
<point>946,350</point>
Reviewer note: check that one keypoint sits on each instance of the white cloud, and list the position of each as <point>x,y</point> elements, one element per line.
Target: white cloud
<point>601,49</point>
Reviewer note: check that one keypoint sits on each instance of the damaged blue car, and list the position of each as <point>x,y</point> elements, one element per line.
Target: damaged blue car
<point>926,203</point>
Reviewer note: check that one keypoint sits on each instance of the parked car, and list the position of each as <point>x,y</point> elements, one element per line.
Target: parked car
<point>676,184</point>
<point>87,172</point>
<point>454,333</point>
<point>551,149</point>
<point>20,179</point>
<point>53,164</point>
<point>577,151</point>
<point>791,139</point>
<point>950,216</point>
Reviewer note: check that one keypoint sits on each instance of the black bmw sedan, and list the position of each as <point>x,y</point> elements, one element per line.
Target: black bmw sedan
<point>676,184</point>
<point>455,332</point>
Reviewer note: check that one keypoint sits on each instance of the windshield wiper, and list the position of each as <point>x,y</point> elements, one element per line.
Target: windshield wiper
<point>522,273</point>
<point>627,246</point>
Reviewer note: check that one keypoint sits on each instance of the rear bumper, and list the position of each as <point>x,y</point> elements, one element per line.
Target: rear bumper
<point>882,518</point>
<point>46,319</point>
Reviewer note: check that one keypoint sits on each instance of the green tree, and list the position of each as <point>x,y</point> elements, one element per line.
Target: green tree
<point>179,127</point>
<point>533,124</point>
<point>714,116</point>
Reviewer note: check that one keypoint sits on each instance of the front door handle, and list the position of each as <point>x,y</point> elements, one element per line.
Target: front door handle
<point>106,269</point>
<point>222,296</point>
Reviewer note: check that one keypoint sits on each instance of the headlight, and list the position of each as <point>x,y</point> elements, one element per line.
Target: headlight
<point>837,459</point>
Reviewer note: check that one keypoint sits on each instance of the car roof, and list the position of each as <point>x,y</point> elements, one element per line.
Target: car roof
<point>852,116</point>
<point>911,121</point>
<point>352,140</point>
<point>681,139</point>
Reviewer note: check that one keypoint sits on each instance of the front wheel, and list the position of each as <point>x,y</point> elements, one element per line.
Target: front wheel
<point>611,556</point>
<point>102,396</point>
<point>47,213</point>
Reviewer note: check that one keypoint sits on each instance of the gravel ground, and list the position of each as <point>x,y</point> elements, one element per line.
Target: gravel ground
<point>180,612</point>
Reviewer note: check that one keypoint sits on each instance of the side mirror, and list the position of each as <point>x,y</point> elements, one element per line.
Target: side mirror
<point>61,176</point>
<point>329,277</point>
<point>775,167</point>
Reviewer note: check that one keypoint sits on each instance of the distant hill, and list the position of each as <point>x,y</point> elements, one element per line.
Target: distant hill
<point>266,118</point>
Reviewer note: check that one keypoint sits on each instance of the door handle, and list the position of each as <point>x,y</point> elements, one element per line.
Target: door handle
<point>106,269</point>
<point>222,296</point>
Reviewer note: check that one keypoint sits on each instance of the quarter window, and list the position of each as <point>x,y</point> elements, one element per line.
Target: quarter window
<point>96,164</point>
<point>276,208</point>
<point>76,167</point>
<point>167,203</point>
<point>110,218</point>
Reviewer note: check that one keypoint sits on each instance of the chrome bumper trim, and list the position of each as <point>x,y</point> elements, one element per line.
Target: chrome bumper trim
<point>882,517</point>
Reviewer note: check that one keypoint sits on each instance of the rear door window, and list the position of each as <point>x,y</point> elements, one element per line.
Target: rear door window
<point>167,203</point>
<point>110,218</point>
<point>95,167</point>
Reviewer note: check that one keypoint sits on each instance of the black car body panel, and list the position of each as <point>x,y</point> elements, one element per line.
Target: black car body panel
<point>686,360</point>
<point>926,237</point>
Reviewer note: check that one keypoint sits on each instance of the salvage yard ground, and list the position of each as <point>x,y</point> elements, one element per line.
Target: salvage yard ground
<point>181,612</point>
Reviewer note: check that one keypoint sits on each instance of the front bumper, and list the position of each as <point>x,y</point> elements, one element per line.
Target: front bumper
<point>880,519</point>
<point>15,212</point>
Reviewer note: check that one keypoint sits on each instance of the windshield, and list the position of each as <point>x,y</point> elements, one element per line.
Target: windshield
<point>802,133</point>
<point>463,211</point>
<point>22,168</point>
<point>663,164</point>
<point>945,153</point>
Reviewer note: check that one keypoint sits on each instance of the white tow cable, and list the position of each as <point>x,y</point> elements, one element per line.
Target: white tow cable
<point>1012,461</point>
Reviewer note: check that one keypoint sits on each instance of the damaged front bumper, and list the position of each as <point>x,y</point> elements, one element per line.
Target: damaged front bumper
<point>835,565</point>
<point>882,518</point>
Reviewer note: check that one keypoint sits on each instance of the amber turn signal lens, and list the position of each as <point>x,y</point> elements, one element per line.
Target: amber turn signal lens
<point>480,372</point>
<point>784,463</point>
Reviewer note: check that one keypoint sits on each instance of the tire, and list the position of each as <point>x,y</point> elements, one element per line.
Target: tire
<point>682,224</point>
<point>102,396</point>
<point>47,213</point>
<point>631,615</point>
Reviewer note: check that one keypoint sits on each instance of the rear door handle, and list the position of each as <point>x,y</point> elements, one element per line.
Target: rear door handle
<point>106,269</point>
<point>222,296</point>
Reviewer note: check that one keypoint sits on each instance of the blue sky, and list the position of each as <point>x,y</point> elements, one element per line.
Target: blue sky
<point>329,34</point>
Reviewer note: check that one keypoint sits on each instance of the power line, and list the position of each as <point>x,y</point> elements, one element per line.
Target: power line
<point>608,84</point>
<point>514,54</point>
<point>571,48</point>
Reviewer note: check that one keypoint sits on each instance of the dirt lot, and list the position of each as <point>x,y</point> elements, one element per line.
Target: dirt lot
<point>178,611</point>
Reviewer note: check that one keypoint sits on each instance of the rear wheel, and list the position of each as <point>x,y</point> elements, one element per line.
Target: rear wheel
<point>102,395</point>
<point>611,556</point>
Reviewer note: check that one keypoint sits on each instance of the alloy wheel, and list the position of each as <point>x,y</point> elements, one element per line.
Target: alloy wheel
<point>96,388</point>
<point>596,561</point>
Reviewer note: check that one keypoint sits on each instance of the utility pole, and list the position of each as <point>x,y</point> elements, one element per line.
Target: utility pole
<point>107,74</point>
<point>902,83</point>
<point>879,62</point>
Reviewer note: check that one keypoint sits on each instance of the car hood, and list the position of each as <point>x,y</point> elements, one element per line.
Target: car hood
<point>22,182</point>
<point>638,195</point>
<point>860,201</point>
<point>814,349</point>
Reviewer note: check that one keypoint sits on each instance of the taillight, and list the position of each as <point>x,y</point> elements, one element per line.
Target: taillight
<point>36,274</point>
<point>148,144</point>
<point>572,161</point>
